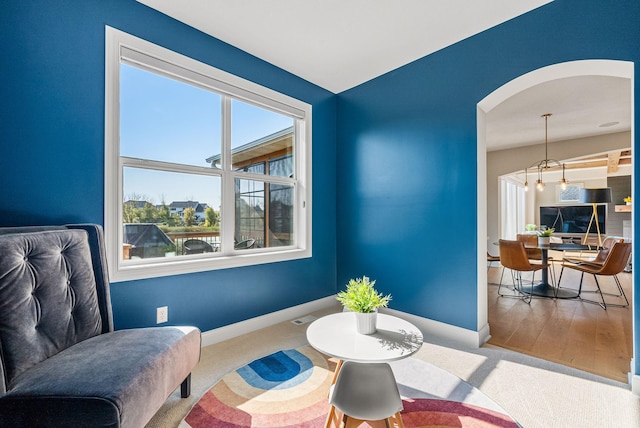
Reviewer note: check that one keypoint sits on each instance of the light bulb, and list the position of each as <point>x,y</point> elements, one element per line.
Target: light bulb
<point>540,185</point>
<point>526,186</point>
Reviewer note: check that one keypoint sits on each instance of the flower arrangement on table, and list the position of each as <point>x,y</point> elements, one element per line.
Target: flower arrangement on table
<point>627,200</point>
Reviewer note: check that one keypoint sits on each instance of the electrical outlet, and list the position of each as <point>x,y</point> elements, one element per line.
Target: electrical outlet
<point>162,314</point>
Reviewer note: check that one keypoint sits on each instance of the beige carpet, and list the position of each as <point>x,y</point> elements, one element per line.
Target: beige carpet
<point>535,392</point>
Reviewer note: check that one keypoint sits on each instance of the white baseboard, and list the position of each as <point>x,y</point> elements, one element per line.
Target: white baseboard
<point>448,332</point>
<point>634,379</point>
<point>243,327</point>
<point>429,328</point>
<point>635,384</point>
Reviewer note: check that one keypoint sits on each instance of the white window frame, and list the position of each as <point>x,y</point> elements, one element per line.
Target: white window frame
<point>133,50</point>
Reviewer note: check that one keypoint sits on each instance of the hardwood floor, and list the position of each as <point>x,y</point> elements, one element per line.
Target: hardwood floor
<point>570,332</point>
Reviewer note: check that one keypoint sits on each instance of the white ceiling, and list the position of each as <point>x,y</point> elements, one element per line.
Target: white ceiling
<point>579,106</point>
<point>339,44</point>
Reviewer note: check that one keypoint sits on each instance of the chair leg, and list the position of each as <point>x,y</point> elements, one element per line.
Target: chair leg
<point>501,273</point>
<point>185,387</point>
<point>615,277</point>
<point>560,279</point>
<point>533,278</point>
<point>580,287</point>
<point>513,281</point>
<point>554,282</point>
<point>603,304</point>
<point>398,417</point>
<point>330,417</point>
<point>620,291</point>
<point>500,284</point>
<point>335,373</point>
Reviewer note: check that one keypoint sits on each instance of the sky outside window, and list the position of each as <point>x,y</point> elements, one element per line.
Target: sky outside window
<point>167,120</point>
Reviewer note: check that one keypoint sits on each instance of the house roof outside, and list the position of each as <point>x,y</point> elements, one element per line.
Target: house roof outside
<point>181,205</point>
<point>272,143</point>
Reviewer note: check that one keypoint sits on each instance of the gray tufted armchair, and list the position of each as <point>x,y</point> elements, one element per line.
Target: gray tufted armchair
<point>61,361</point>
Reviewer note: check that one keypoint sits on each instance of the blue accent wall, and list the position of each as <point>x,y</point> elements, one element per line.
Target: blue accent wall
<point>407,185</point>
<point>52,152</point>
<point>397,202</point>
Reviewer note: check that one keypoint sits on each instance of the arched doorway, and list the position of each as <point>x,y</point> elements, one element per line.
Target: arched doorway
<point>487,188</point>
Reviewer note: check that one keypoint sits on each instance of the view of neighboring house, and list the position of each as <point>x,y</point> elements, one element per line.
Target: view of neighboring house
<point>264,212</point>
<point>178,208</point>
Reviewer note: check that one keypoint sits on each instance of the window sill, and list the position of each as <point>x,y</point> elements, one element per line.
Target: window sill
<point>131,271</point>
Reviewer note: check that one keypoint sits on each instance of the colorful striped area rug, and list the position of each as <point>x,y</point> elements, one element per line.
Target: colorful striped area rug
<point>288,389</point>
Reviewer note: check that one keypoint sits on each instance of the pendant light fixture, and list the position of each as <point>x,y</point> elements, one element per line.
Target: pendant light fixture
<point>546,163</point>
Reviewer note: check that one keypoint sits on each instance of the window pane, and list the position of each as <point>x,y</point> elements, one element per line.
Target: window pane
<point>258,135</point>
<point>256,168</point>
<point>281,167</point>
<point>167,120</point>
<point>158,222</point>
<point>281,203</point>
<point>252,213</point>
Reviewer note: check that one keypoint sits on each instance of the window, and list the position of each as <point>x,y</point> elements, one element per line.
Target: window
<point>512,203</point>
<point>203,170</point>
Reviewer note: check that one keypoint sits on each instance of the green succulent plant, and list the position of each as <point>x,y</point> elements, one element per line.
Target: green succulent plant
<point>361,296</point>
<point>546,232</point>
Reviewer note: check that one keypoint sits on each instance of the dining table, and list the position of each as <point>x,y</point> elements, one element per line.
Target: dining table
<point>544,288</point>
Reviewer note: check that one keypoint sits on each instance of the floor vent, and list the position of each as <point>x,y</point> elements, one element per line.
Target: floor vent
<point>304,320</point>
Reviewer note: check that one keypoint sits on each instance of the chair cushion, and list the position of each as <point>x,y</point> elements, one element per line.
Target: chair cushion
<point>117,379</point>
<point>48,298</point>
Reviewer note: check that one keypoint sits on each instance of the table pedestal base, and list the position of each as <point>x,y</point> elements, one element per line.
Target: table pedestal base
<point>547,290</point>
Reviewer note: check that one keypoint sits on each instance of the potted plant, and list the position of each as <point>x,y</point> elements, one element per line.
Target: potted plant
<point>530,227</point>
<point>627,200</point>
<point>364,300</point>
<point>544,236</point>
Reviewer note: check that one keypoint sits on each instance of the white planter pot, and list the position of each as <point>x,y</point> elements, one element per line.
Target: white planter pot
<point>544,240</point>
<point>366,323</point>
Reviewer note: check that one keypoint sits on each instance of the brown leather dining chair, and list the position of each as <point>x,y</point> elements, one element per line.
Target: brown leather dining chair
<point>601,255</point>
<point>492,259</point>
<point>615,262</point>
<point>597,261</point>
<point>513,256</point>
<point>531,241</point>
